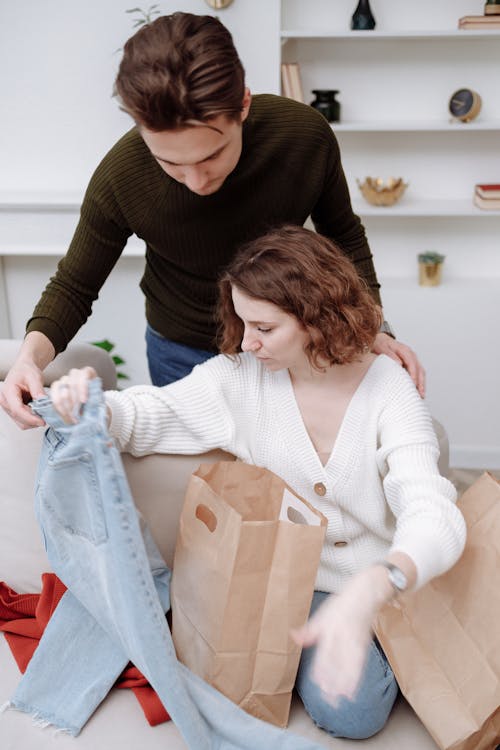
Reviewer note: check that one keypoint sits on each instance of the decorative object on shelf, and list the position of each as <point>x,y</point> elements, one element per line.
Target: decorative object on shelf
<point>430,268</point>
<point>219,4</point>
<point>487,196</point>
<point>291,83</point>
<point>480,22</point>
<point>145,16</point>
<point>492,8</point>
<point>363,18</point>
<point>465,105</point>
<point>326,103</point>
<point>379,192</point>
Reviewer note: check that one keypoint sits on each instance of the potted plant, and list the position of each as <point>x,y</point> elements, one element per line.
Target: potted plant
<point>430,266</point>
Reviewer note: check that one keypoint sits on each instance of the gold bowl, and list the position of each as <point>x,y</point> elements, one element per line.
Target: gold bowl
<point>379,192</point>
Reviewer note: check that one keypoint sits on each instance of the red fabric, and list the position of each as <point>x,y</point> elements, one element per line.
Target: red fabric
<point>23,618</point>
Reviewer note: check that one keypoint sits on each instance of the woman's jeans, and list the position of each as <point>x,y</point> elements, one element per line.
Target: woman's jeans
<point>168,360</point>
<point>118,590</point>
<point>368,713</point>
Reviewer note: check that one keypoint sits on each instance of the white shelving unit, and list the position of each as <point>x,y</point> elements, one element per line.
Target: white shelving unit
<point>461,34</point>
<point>395,83</point>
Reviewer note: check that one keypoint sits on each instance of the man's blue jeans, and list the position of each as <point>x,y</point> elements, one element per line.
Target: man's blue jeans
<point>118,589</point>
<point>168,360</point>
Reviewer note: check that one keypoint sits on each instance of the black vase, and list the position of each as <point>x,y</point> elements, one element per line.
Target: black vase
<point>326,103</point>
<point>363,19</point>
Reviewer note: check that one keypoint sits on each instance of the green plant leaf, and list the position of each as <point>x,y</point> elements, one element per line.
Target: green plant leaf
<point>108,346</point>
<point>118,360</point>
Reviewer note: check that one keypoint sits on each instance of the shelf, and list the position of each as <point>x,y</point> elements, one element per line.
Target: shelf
<point>40,202</point>
<point>461,34</point>
<point>133,249</point>
<point>429,126</point>
<point>408,208</point>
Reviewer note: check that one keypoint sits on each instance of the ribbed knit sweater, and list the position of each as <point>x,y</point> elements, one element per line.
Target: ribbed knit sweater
<point>289,169</point>
<point>382,487</point>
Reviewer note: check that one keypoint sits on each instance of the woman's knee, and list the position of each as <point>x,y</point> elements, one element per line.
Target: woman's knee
<point>361,718</point>
<point>355,719</point>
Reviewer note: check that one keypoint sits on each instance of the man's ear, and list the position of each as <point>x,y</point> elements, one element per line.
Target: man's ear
<point>245,107</point>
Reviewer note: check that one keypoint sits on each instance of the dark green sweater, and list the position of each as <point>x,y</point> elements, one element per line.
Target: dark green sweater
<point>289,169</point>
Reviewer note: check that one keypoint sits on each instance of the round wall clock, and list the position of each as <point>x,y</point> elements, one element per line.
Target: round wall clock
<point>465,104</point>
<point>219,4</point>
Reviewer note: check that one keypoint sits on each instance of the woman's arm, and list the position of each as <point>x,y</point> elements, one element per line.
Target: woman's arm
<point>189,416</point>
<point>429,539</point>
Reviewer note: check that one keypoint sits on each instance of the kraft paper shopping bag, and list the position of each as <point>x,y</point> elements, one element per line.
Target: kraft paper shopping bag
<point>443,642</point>
<point>245,564</point>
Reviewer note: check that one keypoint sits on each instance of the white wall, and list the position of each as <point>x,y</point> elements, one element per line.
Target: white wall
<point>58,61</point>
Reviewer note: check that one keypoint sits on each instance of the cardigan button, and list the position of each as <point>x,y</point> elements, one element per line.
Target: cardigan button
<point>340,544</point>
<point>320,489</point>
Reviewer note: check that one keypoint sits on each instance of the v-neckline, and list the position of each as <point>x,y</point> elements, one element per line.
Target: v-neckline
<point>345,418</point>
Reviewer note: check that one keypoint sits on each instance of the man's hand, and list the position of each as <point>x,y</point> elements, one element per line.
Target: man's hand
<point>402,354</point>
<point>24,381</point>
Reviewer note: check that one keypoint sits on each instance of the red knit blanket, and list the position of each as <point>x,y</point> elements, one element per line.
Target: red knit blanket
<point>23,618</point>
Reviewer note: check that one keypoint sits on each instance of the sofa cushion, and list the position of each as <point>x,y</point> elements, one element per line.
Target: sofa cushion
<point>158,484</point>
<point>22,554</point>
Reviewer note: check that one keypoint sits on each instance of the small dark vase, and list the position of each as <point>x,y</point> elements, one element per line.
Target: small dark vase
<point>363,19</point>
<point>326,103</point>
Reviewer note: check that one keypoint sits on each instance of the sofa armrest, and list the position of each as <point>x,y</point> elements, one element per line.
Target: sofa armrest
<point>76,355</point>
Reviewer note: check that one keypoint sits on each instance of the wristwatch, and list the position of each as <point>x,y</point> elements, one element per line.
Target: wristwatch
<point>397,578</point>
<point>387,328</point>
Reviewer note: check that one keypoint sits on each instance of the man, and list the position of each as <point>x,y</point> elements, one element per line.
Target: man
<point>205,169</point>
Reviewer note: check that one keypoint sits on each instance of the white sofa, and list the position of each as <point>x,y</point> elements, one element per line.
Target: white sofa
<point>119,721</point>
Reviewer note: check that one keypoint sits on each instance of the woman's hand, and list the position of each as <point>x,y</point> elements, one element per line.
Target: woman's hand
<point>341,629</point>
<point>70,392</point>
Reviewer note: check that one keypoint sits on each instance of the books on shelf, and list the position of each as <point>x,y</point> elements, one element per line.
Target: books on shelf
<point>479,22</point>
<point>487,196</point>
<point>488,190</point>
<point>291,84</point>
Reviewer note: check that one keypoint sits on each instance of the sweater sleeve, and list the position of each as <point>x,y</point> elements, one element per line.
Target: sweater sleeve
<point>189,416</point>
<point>97,243</point>
<point>334,218</point>
<point>429,527</point>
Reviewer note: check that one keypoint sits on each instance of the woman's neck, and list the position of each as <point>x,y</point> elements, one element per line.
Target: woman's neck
<point>305,374</point>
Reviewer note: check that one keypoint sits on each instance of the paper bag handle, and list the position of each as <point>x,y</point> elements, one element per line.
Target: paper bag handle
<point>206,516</point>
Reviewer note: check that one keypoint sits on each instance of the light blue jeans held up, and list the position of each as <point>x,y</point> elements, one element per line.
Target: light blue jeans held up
<point>113,611</point>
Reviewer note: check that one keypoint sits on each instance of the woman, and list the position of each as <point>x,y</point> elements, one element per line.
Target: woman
<point>346,429</point>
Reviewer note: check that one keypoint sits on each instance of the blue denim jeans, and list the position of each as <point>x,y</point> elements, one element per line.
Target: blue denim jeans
<point>168,360</point>
<point>368,712</point>
<point>118,589</point>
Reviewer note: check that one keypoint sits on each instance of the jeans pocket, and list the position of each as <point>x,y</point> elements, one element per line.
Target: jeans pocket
<point>69,494</point>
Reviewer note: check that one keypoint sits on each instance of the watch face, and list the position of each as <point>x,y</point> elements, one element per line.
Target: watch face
<point>398,578</point>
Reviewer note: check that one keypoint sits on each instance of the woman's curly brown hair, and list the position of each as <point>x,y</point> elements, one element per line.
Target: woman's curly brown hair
<point>307,276</point>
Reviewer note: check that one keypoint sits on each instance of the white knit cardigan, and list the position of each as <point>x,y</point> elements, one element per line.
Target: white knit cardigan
<point>382,487</point>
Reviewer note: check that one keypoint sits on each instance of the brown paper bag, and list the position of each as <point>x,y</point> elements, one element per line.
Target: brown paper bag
<point>443,643</point>
<point>245,564</point>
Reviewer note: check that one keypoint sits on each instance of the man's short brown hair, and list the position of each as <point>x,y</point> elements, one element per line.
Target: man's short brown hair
<point>178,70</point>
<point>307,276</point>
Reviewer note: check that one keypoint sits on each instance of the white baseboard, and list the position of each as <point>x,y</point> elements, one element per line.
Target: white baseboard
<point>475,456</point>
